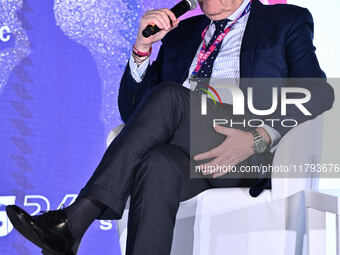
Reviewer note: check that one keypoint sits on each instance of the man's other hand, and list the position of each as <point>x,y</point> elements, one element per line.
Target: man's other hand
<point>238,146</point>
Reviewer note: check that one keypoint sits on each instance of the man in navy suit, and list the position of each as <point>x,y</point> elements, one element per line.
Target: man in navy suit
<point>270,42</point>
<point>149,159</point>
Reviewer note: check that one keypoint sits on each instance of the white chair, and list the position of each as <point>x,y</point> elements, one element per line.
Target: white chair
<point>289,219</point>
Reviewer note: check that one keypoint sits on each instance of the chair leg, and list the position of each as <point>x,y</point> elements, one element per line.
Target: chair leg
<point>337,234</point>
<point>316,232</point>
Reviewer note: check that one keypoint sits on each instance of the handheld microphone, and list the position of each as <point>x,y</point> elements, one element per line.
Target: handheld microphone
<point>179,9</point>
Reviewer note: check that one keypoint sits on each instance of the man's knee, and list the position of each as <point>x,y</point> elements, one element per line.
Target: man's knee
<point>170,157</point>
<point>165,164</point>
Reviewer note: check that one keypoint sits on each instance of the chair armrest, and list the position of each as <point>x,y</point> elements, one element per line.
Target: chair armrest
<point>113,133</point>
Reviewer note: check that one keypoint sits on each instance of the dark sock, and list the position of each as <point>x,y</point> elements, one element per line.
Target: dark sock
<point>81,214</point>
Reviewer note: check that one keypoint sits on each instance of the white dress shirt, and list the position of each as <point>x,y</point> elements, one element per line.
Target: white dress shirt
<point>226,64</point>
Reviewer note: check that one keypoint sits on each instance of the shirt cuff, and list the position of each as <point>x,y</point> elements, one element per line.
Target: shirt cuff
<point>138,72</point>
<point>274,136</point>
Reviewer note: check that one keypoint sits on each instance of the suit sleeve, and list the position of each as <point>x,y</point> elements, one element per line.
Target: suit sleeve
<point>302,63</point>
<point>131,92</point>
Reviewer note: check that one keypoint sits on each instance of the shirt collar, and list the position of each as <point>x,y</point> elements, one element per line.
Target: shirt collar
<point>236,13</point>
<point>239,10</point>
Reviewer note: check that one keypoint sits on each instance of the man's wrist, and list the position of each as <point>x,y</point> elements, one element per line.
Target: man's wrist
<point>264,134</point>
<point>139,60</point>
<point>260,140</point>
<point>142,47</point>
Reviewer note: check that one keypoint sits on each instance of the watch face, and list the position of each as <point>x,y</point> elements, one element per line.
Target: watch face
<point>260,146</point>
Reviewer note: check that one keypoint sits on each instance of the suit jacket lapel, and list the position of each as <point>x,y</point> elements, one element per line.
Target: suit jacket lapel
<point>193,41</point>
<point>251,38</point>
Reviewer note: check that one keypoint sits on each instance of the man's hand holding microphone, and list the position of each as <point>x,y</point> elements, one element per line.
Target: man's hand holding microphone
<point>155,24</point>
<point>165,20</point>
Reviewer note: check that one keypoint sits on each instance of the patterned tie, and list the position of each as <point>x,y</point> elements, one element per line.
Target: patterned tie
<point>206,69</point>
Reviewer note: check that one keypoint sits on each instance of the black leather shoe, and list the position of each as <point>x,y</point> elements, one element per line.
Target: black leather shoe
<point>48,231</point>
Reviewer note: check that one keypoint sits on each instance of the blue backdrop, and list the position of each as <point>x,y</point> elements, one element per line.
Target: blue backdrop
<point>60,67</point>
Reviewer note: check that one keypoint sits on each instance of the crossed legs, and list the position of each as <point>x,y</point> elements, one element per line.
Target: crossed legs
<point>149,161</point>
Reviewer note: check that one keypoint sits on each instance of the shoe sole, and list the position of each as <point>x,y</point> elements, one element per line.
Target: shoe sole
<point>20,221</point>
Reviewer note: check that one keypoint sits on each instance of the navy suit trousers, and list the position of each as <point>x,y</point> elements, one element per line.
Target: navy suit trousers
<point>150,162</point>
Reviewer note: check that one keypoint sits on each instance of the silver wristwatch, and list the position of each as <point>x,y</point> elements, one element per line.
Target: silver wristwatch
<point>260,144</point>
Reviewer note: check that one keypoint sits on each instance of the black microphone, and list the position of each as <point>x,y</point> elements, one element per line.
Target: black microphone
<point>179,9</point>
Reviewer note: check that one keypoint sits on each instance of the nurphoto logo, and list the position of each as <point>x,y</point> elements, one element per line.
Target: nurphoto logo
<point>238,104</point>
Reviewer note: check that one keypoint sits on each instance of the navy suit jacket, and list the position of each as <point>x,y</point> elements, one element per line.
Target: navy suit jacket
<point>277,43</point>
